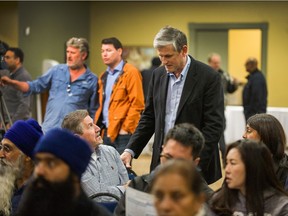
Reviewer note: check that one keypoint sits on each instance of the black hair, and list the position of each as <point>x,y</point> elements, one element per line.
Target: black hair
<point>114,41</point>
<point>18,53</point>
<point>188,135</point>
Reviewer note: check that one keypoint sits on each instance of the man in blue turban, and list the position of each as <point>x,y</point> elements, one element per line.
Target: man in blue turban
<point>60,159</point>
<point>16,164</point>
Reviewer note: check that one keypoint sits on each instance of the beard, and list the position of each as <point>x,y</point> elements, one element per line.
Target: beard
<point>9,173</point>
<point>43,198</point>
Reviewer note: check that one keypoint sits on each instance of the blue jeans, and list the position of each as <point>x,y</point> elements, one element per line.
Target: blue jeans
<point>119,144</point>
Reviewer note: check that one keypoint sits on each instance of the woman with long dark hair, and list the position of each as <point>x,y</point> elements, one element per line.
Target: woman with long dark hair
<point>250,186</point>
<point>266,128</point>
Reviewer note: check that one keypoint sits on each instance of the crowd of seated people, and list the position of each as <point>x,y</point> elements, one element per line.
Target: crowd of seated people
<point>255,168</point>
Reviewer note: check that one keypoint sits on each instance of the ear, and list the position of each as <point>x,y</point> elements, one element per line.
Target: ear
<point>196,161</point>
<point>27,158</point>
<point>120,51</point>
<point>17,60</point>
<point>84,55</point>
<point>185,49</point>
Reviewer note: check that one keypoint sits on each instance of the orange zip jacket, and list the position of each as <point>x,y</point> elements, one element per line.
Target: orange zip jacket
<point>126,102</point>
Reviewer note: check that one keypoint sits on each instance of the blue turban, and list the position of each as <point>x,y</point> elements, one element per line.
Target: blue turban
<point>25,135</point>
<point>66,146</point>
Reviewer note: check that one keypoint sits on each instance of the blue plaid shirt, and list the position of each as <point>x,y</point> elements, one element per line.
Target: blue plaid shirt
<point>105,173</point>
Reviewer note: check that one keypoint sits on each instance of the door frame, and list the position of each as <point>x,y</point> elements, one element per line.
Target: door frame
<point>194,27</point>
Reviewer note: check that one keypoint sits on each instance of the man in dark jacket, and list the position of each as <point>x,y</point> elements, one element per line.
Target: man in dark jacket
<point>183,141</point>
<point>182,90</point>
<point>255,91</point>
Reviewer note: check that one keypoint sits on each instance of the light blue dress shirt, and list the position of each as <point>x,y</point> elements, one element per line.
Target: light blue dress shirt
<point>174,92</point>
<point>111,78</point>
<point>65,96</point>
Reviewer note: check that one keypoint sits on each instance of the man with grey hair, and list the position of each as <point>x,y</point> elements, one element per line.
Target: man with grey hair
<point>181,90</point>
<point>71,86</point>
<point>105,172</point>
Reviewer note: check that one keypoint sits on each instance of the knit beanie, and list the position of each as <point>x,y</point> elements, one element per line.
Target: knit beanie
<point>66,146</point>
<point>25,135</point>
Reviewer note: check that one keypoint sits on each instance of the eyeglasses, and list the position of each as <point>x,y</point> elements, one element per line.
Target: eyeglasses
<point>6,149</point>
<point>166,156</point>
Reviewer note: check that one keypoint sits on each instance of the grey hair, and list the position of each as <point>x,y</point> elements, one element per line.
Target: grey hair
<point>169,35</point>
<point>80,43</point>
<point>73,121</point>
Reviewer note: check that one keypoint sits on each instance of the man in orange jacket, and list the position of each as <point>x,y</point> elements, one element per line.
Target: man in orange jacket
<point>121,99</point>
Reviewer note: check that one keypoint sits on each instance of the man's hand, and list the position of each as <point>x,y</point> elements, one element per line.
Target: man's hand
<point>5,80</point>
<point>19,85</point>
<point>126,158</point>
<point>127,183</point>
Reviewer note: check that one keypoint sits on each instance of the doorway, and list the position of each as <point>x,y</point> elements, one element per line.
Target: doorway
<point>235,43</point>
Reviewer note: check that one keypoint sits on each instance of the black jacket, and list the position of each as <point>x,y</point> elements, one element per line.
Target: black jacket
<point>255,94</point>
<point>201,104</point>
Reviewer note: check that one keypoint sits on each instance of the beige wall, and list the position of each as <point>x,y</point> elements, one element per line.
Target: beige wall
<point>9,23</point>
<point>136,23</point>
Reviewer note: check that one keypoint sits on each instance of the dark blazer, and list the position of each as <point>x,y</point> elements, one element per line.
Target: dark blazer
<point>201,104</point>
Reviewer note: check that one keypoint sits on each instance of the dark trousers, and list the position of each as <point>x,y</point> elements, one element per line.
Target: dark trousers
<point>119,144</point>
<point>222,146</point>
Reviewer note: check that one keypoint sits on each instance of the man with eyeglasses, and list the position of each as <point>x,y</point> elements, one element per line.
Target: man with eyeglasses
<point>18,106</point>
<point>71,86</point>
<point>16,164</point>
<point>183,141</point>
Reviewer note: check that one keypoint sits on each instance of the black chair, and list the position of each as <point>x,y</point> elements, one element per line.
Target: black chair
<point>108,205</point>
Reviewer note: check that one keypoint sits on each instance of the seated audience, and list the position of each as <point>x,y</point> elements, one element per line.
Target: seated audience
<point>176,190</point>
<point>16,164</point>
<point>266,128</point>
<point>60,159</point>
<point>183,141</point>
<point>250,186</point>
<point>106,172</point>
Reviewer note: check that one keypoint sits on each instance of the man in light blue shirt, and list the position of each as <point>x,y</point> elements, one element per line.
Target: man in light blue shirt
<point>71,86</point>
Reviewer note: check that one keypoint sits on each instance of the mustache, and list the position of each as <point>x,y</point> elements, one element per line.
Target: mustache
<point>41,183</point>
<point>4,162</point>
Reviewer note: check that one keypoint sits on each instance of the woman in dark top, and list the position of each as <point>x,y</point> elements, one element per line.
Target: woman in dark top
<point>266,128</point>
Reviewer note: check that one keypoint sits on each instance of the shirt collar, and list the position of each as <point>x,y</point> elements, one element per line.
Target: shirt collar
<point>185,69</point>
<point>118,68</point>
